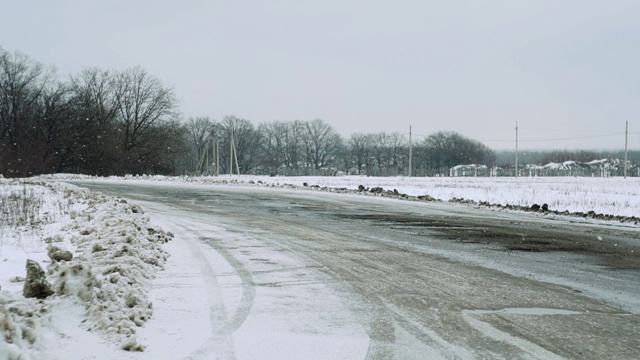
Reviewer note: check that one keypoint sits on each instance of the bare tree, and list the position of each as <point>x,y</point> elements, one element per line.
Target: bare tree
<point>361,149</point>
<point>22,83</point>
<point>399,152</point>
<point>321,141</point>
<point>93,143</point>
<point>380,152</point>
<point>445,149</point>
<point>274,134</point>
<point>293,135</point>
<point>198,132</point>
<point>247,142</point>
<point>52,127</point>
<point>345,159</point>
<point>143,104</point>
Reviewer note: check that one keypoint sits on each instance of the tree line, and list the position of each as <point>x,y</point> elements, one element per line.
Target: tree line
<point>105,122</point>
<point>117,122</point>
<point>96,122</point>
<point>315,148</point>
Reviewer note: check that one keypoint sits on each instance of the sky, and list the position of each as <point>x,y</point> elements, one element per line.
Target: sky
<point>567,72</point>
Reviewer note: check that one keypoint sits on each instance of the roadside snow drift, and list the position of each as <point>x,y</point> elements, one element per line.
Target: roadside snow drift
<point>99,252</point>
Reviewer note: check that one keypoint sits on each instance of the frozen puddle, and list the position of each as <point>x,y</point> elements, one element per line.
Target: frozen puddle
<point>524,311</point>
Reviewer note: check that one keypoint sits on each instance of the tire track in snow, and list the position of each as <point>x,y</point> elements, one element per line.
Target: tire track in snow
<point>222,325</point>
<point>531,350</point>
<point>248,287</point>
<point>381,324</point>
<point>221,340</point>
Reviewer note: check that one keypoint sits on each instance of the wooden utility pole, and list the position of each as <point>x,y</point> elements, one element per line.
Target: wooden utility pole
<point>626,136</point>
<point>516,149</point>
<point>235,156</point>
<point>217,158</point>
<point>231,154</point>
<point>206,161</point>
<point>410,151</point>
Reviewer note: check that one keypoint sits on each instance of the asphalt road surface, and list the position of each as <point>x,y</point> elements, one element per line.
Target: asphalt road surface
<point>423,280</point>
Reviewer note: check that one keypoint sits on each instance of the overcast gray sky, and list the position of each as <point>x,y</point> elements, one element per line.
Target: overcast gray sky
<point>563,69</point>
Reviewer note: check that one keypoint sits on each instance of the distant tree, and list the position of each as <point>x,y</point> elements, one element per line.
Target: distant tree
<point>22,86</point>
<point>92,145</point>
<point>380,150</point>
<point>247,142</point>
<point>361,146</point>
<point>52,128</point>
<point>565,155</point>
<point>144,105</point>
<point>345,159</point>
<point>198,131</point>
<point>162,155</point>
<point>388,153</point>
<point>445,149</point>
<point>293,140</point>
<point>399,152</point>
<point>274,146</point>
<point>320,143</point>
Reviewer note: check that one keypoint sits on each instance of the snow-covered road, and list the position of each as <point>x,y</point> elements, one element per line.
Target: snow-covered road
<point>250,299</point>
<point>261,273</point>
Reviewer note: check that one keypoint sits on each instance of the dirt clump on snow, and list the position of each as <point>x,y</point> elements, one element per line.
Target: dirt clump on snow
<point>36,284</point>
<point>56,253</point>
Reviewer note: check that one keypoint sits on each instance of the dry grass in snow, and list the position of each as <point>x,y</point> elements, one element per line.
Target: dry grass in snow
<point>115,255</point>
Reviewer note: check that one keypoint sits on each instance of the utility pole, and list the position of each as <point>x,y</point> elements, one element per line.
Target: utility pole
<point>217,158</point>
<point>410,151</point>
<point>626,136</point>
<point>235,156</point>
<point>206,160</point>
<point>215,155</point>
<point>516,149</point>
<point>231,154</point>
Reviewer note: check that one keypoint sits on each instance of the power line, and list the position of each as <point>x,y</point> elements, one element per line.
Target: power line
<point>547,129</point>
<point>555,139</point>
<point>578,137</point>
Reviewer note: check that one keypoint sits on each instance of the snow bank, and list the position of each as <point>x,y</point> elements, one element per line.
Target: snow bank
<point>21,323</point>
<point>115,256</point>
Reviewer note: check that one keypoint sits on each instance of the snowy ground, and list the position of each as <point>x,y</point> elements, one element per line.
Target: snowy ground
<point>104,300</point>
<point>103,289</point>
<point>613,195</point>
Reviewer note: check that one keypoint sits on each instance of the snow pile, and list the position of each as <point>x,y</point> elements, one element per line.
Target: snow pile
<point>104,254</point>
<point>118,254</point>
<point>20,325</point>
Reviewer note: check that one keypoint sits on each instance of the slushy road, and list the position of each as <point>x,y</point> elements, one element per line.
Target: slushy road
<point>378,278</point>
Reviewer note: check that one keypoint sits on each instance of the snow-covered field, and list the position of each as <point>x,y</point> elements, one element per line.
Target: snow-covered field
<point>611,195</point>
<point>103,292</point>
